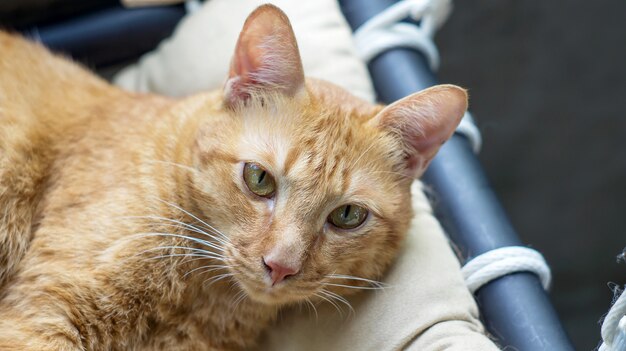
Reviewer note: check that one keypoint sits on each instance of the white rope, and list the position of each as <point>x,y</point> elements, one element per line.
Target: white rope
<point>385,30</point>
<point>496,263</point>
<point>614,327</point>
<point>468,128</point>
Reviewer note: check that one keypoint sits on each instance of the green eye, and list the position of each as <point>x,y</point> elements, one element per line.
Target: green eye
<point>347,216</point>
<point>258,180</point>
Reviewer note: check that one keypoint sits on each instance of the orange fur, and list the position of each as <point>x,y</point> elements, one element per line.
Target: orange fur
<point>89,175</point>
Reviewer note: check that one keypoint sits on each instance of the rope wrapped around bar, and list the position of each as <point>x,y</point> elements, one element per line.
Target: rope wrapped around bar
<point>499,262</point>
<point>614,326</point>
<point>386,31</point>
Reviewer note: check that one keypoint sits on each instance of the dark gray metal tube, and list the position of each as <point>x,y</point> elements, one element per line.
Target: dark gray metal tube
<point>110,35</point>
<point>515,308</point>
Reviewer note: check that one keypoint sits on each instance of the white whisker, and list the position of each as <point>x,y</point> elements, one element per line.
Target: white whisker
<point>330,301</point>
<point>236,297</point>
<point>351,277</point>
<point>208,253</point>
<point>310,303</point>
<point>217,278</point>
<point>193,228</point>
<point>185,225</point>
<point>356,287</point>
<point>196,218</point>
<point>199,231</point>
<point>239,300</point>
<point>211,268</point>
<point>340,299</point>
<point>363,154</point>
<point>183,255</point>
<point>196,259</point>
<point>199,241</point>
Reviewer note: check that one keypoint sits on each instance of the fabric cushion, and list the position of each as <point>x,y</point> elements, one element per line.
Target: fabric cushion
<point>198,54</point>
<point>426,306</point>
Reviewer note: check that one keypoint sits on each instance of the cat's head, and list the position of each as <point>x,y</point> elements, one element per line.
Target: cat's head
<point>310,184</point>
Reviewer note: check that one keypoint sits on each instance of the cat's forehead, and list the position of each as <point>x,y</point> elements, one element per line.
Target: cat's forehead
<point>291,137</point>
<point>323,153</point>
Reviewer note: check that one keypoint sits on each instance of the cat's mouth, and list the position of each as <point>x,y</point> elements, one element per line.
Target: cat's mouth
<point>264,292</point>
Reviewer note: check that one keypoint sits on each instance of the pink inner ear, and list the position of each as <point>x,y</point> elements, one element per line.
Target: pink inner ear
<point>424,121</point>
<point>240,79</point>
<point>266,57</point>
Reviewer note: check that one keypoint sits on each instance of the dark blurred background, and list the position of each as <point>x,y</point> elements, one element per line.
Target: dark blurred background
<point>547,83</point>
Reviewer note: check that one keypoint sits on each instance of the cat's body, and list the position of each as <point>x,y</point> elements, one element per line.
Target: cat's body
<point>111,200</point>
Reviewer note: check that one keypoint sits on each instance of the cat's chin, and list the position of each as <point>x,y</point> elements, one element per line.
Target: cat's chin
<point>269,295</point>
<point>269,299</point>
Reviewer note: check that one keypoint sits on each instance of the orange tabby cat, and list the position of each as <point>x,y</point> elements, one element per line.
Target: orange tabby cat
<point>139,222</point>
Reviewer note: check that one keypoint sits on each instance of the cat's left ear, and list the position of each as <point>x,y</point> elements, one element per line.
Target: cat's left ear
<point>266,58</point>
<point>423,122</point>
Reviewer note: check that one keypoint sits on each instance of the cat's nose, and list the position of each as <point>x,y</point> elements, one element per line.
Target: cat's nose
<point>278,271</point>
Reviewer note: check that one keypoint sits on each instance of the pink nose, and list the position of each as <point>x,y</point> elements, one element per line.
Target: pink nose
<point>278,271</point>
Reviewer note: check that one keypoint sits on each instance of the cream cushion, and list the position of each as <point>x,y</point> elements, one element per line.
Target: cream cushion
<point>197,56</point>
<point>426,305</point>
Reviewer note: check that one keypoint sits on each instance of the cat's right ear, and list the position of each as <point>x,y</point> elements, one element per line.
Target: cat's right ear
<point>266,58</point>
<point>422,122</point>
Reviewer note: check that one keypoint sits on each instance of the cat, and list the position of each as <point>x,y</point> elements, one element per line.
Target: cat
<point>140,222</point>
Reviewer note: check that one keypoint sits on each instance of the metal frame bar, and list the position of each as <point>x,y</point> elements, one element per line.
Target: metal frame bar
<point>110,35</point>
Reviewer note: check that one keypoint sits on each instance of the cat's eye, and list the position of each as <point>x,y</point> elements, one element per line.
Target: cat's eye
<point>259,180</point>
<point>348,216</point>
